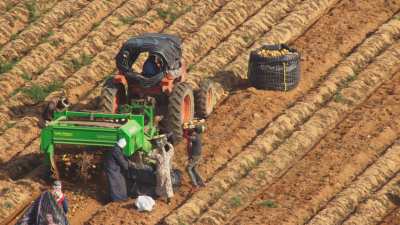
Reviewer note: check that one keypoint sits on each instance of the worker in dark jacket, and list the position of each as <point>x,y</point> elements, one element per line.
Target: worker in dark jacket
<point>115,164</point>
<point>194,153</point>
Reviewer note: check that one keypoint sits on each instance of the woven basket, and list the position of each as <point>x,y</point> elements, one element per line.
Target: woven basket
<point>280,73</point>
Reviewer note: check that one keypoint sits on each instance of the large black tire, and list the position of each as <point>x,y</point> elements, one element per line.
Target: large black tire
<point>180,110</point>
<point>205,98</point>
<point>112,96</point>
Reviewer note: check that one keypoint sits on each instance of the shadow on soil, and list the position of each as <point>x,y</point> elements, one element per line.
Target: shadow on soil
<point>395,199</point>
<point>18,166</point>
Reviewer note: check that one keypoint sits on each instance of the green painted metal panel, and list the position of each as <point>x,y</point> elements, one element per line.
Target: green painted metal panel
<point>84,135</point>
<point>94,115</point>
<point>46,139</point>
<point>73,133</point>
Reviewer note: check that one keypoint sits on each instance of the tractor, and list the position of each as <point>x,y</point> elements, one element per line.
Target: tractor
<point>131,107</point>
<point>175,98</point>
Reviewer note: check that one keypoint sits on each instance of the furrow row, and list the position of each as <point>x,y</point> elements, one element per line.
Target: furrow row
<point>23,162</point>
<point>378,206</point>
<point>189,23</point>
<point>81,53</point>
<point>352,146</point>
<point>291,28</point>
<point>263,166</point>
<point>13,195</point>
<point>17,137</point>
<point>392,218</point>
<point>242,38</point>
<point>23,100</point>
<point>370,181</point>
<point>45,53</point>
<point>285,124</point>
<point>21,16</point>
<point>354,168</point>
<point>40,31</point>
<point>214,31</point>
<point>7,5</point>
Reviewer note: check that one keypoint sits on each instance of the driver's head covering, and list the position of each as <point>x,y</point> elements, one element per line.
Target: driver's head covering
<point>57,185</point>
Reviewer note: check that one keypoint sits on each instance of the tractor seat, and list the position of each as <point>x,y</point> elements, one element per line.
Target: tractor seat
<point>144,81</point>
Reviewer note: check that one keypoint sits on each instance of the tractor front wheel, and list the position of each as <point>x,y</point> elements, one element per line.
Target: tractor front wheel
<point>112,96</point>
<point>180,109</point>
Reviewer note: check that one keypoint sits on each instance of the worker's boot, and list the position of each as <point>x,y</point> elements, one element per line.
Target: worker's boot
<point>199,180</point>
<point>192,175</point>
<point>201,183</point>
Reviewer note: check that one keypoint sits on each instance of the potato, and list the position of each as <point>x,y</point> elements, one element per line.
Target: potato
<point>273,53</point>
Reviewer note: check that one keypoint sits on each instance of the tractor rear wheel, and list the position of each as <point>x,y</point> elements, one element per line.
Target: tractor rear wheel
<point>205,99</point>
<point>180,109</point>
<point>112,96</point>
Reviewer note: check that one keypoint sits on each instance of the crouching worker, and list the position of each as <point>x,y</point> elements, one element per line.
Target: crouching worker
<point>163,155</point>
<point>55,105</point>
<point>59,196</point>
<point>115,165</point>
<point>49,208</point>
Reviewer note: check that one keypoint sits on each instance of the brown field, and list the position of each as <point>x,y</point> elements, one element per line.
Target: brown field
<point>327,152</point>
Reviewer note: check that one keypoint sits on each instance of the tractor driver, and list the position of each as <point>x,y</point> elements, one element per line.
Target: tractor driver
<point>152,66</point>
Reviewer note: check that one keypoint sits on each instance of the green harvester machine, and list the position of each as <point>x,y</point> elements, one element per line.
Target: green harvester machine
<point>92,129</point>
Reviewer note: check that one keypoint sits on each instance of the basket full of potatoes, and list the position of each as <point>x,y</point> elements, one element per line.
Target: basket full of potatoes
<point>274,67</point>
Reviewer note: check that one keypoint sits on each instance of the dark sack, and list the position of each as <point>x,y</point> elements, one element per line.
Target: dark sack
<point>44,211</point>
<point>145,175</point>
<point>143,181</point>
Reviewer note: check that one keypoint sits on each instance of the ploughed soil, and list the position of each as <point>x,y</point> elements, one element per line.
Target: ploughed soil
<point>247,111</point>
<point>393,218</point>
<point>332,160</point>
